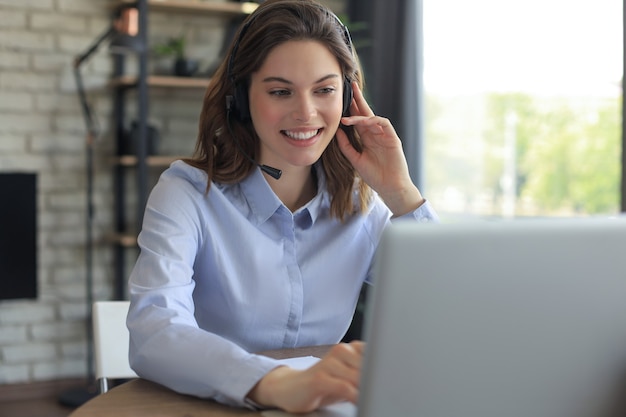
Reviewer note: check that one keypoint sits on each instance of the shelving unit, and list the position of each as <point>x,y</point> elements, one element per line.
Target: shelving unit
<point>209,7</point>
<point>151,161</point>
<point>126,225</point>
<point>160,81</point>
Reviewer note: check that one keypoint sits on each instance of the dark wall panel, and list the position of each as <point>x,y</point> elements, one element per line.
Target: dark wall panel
<point>18,236</point>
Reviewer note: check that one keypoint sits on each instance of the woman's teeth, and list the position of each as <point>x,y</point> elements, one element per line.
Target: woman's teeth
<point>301,135</point>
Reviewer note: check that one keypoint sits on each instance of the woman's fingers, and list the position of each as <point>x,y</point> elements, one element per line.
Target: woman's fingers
<point>343,362</point>
<point>350,353</point>
<point>338,373</point>
<point>359,106</point>
<point>374,130</point>
<point>374,123</point>
<point>346,147</point>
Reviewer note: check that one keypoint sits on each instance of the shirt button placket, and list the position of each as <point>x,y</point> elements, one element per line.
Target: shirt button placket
<point>295,281</point>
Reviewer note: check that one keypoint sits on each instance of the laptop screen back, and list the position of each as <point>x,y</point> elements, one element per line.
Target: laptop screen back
<point>497,319</point>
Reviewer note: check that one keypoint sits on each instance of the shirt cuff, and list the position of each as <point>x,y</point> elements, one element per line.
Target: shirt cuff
<point>248,403</point>
<point>423,214</point>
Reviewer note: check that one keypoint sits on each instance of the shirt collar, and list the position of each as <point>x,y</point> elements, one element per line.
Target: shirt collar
<point>321,201</point>
<point>260,197</point>
<point>264,203</point>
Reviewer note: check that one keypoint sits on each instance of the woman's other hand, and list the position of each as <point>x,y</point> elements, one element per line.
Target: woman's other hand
<point>333,379</point>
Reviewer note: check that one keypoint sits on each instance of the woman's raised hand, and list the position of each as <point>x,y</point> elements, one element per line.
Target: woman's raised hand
<point>382,163</point>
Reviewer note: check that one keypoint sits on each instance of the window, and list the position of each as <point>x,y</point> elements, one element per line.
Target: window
<point>522,107</point>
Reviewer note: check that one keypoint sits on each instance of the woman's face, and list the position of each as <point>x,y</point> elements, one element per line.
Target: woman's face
<point>296,103</point>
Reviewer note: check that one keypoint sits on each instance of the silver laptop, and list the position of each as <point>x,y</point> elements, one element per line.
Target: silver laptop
<point>498,319</point>
<point>521,318</point>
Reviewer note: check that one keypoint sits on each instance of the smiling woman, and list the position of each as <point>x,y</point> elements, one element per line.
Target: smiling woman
<point>235,259</point>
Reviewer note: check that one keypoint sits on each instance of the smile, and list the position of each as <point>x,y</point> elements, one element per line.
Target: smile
<point>301,135</point>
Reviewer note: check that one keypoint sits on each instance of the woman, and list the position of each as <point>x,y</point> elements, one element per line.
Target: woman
<point>263,239</point>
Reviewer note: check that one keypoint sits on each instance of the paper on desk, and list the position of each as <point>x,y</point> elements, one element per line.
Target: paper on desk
<point>301,362</point>
<point>343,409</point>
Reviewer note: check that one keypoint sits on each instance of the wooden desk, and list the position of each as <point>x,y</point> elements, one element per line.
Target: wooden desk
<point>142,398</point>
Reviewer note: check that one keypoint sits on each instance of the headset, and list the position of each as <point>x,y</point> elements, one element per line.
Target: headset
<point>237,103</point>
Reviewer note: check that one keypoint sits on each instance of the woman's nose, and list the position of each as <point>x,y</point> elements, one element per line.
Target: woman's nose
<point>305,109</point>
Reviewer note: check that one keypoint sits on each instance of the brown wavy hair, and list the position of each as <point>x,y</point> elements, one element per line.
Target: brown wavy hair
<point>270,25</point>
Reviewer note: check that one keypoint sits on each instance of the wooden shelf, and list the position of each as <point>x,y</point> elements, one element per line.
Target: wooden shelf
<point>151,161</point>
<point>161,81</point>
<point>125,240</point>
<point>199,6</point>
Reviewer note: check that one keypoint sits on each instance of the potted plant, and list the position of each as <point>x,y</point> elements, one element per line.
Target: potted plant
<point>175,47</point>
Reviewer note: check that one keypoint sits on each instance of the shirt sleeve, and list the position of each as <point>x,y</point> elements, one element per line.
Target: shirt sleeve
<point>424,214</point>
<point>167,345</point>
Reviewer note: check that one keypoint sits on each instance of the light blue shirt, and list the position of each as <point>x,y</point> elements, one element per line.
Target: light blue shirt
<point>234,271</point>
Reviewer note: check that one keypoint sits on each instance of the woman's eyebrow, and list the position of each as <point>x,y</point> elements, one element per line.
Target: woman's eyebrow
<point>284,80</point>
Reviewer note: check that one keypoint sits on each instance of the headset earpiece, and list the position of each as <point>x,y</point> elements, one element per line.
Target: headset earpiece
<point>239,105</point>
<point>348,94</point>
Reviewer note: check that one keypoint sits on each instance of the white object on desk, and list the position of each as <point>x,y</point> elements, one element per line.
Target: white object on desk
<point>343,409</point>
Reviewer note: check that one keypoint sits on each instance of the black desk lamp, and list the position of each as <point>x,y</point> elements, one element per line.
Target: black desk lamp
<point>123,39</point>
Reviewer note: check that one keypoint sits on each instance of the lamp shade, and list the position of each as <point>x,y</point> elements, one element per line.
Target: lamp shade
<point>122,43</point>
<point>125,37</point>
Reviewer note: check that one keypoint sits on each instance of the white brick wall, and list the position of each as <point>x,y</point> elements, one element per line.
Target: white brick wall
<point>42,131</point>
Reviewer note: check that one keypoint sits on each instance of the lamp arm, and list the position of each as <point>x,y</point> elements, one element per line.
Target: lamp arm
<point>90,122</point>
<point>92,128</point>
<point>94,46</point>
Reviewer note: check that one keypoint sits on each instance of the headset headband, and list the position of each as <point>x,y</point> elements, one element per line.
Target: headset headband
<point>253,17</point>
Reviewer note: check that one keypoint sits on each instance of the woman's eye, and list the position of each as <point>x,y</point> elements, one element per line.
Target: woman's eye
<point>326,90</point>
<point>280,93</point>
